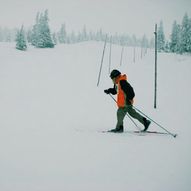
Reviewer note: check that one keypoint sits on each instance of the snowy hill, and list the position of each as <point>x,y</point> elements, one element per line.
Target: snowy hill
<point>52,114</point>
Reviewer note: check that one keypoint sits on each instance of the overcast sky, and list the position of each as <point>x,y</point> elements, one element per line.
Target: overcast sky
<point>123,16</point>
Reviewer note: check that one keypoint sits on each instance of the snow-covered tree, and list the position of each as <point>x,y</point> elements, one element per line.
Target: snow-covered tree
<point>189,36</point>
<point>144,42</point>
<point>144,45</point>
<point>8,35</point>
<point>134,40</point>
<point>84,34</point>
<point>45,40</point>
<point>152,43</point>
<point>161,38</point>
<point>1,35</point>
<point>54,38</point>
<point>62,35</point>
<point>29,36</point>
<point>175,38</point>
<point>99,35</point>
<point>34,35</point>
<point>185,35</point>
<point>91,35</point>
<point>20,40</point>
<point>41,36</point>
<point>167,46</point>
<point>72,37</point>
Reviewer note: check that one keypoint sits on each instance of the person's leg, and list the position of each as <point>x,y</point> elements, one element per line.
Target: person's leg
<point>132,112</point>
<point>121,112</point>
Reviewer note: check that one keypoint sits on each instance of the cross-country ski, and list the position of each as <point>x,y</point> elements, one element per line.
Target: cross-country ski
<point>139,132</point>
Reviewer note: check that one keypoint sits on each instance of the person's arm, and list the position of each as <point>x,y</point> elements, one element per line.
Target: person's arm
<point>111,90</point>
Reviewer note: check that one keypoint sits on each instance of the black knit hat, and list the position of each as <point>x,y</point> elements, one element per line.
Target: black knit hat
<point>115,73</point>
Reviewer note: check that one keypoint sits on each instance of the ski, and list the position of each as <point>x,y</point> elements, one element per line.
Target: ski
<point>138,132</point>
<point>151,132</point>
<point>157,132</point>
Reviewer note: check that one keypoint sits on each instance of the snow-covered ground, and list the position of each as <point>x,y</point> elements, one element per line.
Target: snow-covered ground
<point>52,113</point>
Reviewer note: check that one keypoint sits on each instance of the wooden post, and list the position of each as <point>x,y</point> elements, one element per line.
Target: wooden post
<point>121,59</point>
<point>102,61</point>
<point>110,55</point>
<point>155,91</point>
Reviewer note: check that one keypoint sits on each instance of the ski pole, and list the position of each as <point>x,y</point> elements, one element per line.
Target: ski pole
<point>126,114</point>
<point>174,135</point>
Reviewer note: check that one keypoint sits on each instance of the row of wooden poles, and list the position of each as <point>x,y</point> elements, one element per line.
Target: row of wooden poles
<point>143,52</point>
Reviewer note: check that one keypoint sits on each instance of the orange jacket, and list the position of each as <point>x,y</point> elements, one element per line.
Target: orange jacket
<point>121,96</point>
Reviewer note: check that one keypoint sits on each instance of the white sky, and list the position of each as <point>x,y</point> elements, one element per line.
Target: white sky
<point>123,16</point>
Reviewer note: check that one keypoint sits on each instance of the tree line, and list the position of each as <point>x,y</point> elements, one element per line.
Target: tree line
<point>40,36</point>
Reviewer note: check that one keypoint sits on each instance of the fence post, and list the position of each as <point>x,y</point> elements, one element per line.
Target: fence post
<point>102,61</point>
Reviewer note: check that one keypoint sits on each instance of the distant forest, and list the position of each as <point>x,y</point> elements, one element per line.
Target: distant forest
<point>41,36</point>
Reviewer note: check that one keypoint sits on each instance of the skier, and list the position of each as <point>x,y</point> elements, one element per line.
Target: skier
<point>125,95</point>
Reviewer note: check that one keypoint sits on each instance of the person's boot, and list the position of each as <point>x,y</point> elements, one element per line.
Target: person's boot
<point>117,130</point>
<point>146,124</point>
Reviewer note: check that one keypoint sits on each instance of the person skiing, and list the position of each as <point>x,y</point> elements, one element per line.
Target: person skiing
<point>125,95</point>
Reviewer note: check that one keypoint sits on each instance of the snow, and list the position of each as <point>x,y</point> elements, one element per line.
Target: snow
<point>52,113</point>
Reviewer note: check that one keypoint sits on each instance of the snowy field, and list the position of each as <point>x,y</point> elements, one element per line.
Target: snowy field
<point>52,114</point>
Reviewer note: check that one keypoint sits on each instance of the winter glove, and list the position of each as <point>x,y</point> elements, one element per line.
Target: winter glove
<point>111,91</point>
<point>106,91</point>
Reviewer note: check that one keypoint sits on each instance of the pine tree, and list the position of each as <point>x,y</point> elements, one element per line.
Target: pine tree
<point>184,38</point>
<point>1,35</point>
<point>161,38</point>
<point>73,37</point>
<point>144,45</point>
<point>189,36</point>
<point>84,34</point>
<point>167,46</point>
<point>54,38</point>
<point>62,35</point>
<point>99,35</point>
<point>134,40</point>
<point>34,36</point>
<point>20,40</point>
<point>152,43</point>
<point>45,36</point>
<point>29,36</point>
<point>175,38</point>
<point>41,37</point>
